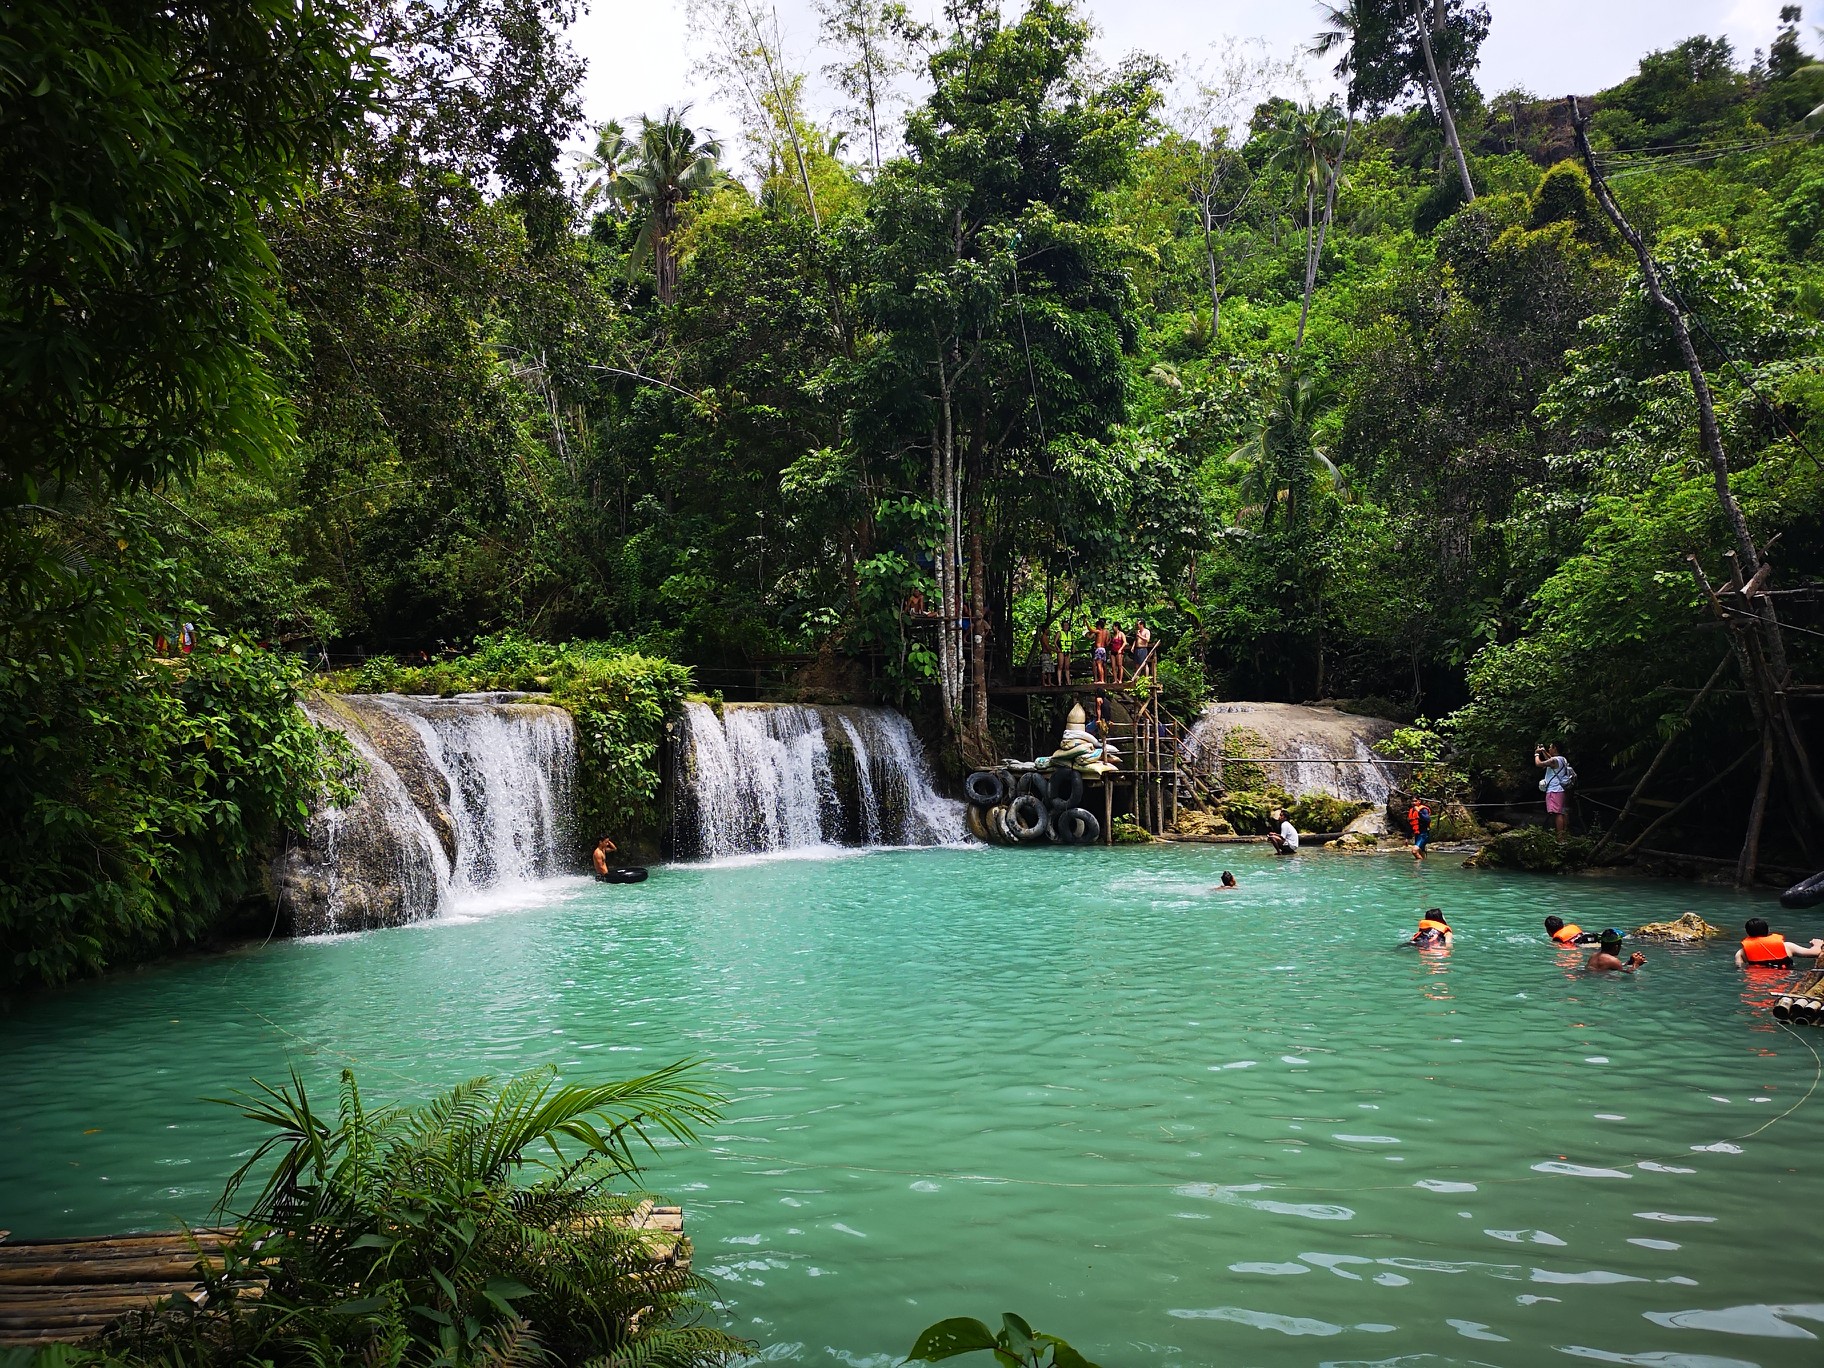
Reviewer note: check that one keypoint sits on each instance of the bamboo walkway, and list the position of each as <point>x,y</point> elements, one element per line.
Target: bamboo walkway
<point>61,1291</point>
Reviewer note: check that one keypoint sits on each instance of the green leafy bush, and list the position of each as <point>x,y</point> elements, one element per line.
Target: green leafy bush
<point>1322,812</point>
<point>1251,813</point>
<point>1017,1345</point>
<point>1432,774</point>
<point>1129,832</point>
<point>137,797</point>
<point>480,1227</point>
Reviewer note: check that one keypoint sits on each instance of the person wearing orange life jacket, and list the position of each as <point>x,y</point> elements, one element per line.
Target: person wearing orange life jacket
<point>1433,932</point>
<point>1569,934</point>
<point>1766,949</point>
<point>1418,817</point>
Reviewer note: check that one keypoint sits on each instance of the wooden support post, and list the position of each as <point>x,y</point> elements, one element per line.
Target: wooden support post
<point>1108,810</point>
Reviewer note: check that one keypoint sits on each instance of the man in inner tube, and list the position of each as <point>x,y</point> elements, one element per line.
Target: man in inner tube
<point>1765,949</point>
<point>603,849</point>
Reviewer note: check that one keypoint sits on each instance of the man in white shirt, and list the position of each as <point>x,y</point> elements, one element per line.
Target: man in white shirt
<point>1285,841</point>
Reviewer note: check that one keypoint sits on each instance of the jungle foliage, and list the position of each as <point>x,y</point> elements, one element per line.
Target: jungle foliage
<point>1359,402</point>
<point>489,1225</point>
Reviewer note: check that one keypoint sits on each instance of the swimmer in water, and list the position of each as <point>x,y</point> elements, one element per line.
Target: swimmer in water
<point>1569,934</point>
<point>603,849</point>
<point>1433,932</point>
<point>1228,882</point>
<point>1765,948</point>
<point>1608,960</point>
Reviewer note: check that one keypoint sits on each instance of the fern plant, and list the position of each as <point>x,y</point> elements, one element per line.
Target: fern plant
<point>482,1227</point>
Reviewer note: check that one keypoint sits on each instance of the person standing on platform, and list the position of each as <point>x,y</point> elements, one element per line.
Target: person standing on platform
<point>1047,646</point>
<point>1555,784</point>
<point>1143,650</point>
<point>1100,635</point>
<point>1118,649</point>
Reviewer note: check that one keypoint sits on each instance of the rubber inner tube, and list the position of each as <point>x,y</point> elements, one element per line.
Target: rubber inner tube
<point>972,818</point>
<point>1066,787</point>
<point>1805,893</point>
<point>1079,826</point>
<point>984,788</point>
<point>1035,784</point>
<point>1027,819</point>
<point>996,821</point>
<point>624,874</point>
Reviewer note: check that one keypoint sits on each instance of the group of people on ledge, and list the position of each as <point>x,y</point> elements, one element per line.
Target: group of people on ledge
<point>1108,653</point>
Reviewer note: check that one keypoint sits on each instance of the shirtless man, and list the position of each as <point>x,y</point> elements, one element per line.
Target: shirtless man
<point>603,849</point>
<point>1047,646</point>
<point>1100,634</point>
<point>1608,960</point>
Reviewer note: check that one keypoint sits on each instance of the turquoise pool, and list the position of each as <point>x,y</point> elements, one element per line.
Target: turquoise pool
<point>1174,1126</point>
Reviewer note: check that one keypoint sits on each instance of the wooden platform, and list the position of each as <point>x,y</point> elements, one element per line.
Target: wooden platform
<point>60,1291</point>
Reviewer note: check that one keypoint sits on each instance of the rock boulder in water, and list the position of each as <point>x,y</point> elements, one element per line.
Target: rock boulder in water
<point>1310,740</point>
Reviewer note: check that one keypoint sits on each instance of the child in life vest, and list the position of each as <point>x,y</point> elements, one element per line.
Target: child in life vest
<point>1766,949</point>
<point>1433,932</point>
<point>1569,933</point>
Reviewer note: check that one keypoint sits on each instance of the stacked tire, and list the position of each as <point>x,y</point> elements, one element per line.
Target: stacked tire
<point>1029,809</point>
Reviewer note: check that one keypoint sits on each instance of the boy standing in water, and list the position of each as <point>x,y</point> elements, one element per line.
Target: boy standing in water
<point>603,849</point>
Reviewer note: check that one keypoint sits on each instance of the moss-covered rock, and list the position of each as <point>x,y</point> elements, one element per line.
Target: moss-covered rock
<point>1130,832</point>
<point>1535,849</point>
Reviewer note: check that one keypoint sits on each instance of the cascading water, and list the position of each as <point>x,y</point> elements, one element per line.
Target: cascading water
<point>1316,750</point>
<point>768,777</point>
<point>454,797</point>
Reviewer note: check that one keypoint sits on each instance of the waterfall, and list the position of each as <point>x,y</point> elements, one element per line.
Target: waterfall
<point>452,798</point>
<point>1308,743</point>
<point>769,777</point>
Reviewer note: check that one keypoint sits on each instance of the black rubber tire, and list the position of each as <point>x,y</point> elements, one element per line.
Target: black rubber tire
<point>1805,893</point>
<point>974,820</point>
<point>1027,819</point>
<point>995,819</point>
<point>984,788</point>
<point>1079,826</point>
<point>624,875</point>
<point>1035,784</point>
<point>1067,787</point>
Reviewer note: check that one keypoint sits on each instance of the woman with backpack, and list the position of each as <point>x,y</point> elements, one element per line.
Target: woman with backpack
<point>1555,784</point>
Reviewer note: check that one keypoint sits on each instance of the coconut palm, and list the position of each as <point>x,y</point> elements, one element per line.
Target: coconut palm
<point>1427,17</point>
<point>598,167</point>
<point>1282,462</point>
<point>1312,139</point>
<point>666,166</point>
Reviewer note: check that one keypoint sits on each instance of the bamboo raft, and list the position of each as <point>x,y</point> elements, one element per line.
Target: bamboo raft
<point>1803,1003</point>
<point>64,1290</point>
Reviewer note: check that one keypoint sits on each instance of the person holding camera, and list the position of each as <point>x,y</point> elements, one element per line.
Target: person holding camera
<point>1555,784</point>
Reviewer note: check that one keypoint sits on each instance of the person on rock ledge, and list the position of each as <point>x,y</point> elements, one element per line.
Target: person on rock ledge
<point>1285,840</point>
<point>603,849</point>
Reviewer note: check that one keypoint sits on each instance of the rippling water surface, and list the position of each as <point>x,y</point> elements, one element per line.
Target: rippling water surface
<point>1172,1125</point>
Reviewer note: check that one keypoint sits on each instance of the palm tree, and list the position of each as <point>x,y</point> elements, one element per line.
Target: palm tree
<point>598,167</point>
<point>665,167</point>
<point>1282,460</point>
<point>1427,18</point>
<point>1313,138</point>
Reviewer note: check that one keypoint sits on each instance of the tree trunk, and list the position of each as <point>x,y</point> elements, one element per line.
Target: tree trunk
<point>1450,124</point>
<point>1209,257</point>
<point>977,643</point>
<point>1757,814</point>
<point>1304,313</point>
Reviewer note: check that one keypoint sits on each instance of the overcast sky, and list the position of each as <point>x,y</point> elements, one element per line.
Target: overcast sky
<point>639,60</point>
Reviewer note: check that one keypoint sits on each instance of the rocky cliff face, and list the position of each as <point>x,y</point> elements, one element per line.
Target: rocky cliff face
<point>1313,750</point>
<point>453,796</point>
